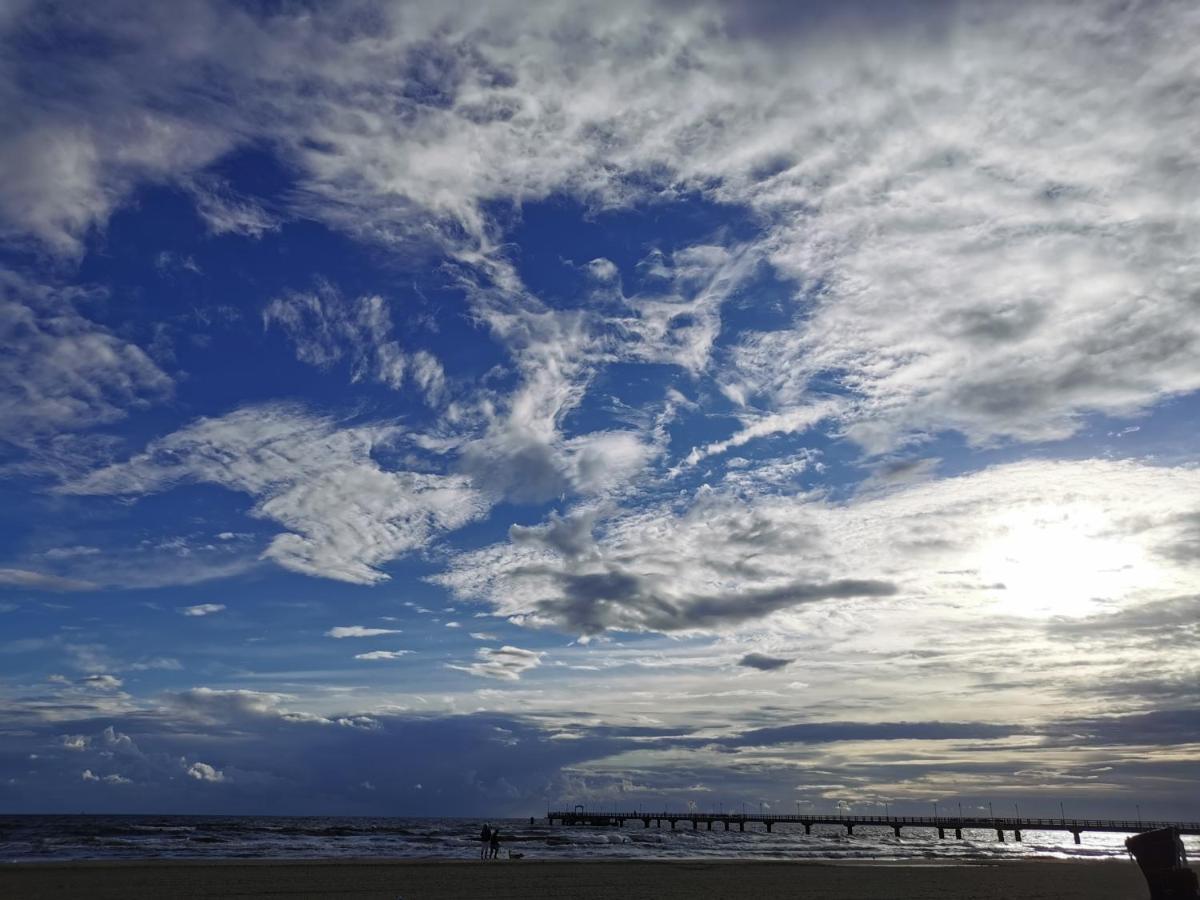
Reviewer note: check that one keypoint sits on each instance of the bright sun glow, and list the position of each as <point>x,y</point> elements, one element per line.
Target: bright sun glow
<point>1062,562</point>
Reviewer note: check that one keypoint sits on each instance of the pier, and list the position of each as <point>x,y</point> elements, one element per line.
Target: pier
<point>953,825</point>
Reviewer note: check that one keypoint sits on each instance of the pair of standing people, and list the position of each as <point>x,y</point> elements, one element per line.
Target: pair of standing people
<point>489,842</point>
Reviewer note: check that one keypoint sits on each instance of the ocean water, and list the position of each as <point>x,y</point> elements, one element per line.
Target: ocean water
<point>56,838</point>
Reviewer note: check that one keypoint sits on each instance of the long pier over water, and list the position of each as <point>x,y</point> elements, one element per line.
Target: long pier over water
<point>943,824</point>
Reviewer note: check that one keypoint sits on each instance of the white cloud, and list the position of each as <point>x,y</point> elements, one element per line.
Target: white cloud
<point>102,682</point>
<point>603,270</point>
<point>202,771</point>
<point>346,513</point>
<point>168,262</point>
<point>224,212</point>
<point>507,663</point>
<point>116,742</point>
<point>76,148</point>
<point>202,609</point>
<point>70,552</point>
<point>358,631</point>
<point>382,654</point>
<point>794,420</point>
<point>88,775</point>
<point>157,663</point>
<point>325,328</point>
<point>59,371</point>
<point>156,561</point>
<point>39,581</point>
<point>211,705</point>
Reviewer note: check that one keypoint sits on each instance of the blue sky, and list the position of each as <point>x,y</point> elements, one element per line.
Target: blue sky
<point>424,409</point>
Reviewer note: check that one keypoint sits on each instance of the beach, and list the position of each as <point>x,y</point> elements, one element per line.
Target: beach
<point>608,879</point>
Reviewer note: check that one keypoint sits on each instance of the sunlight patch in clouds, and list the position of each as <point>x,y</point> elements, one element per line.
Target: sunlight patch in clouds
<point>1071,537</point>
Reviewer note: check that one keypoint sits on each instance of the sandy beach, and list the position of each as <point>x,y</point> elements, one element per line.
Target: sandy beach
<point>441,880</point>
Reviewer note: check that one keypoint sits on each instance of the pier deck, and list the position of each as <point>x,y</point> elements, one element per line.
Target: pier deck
<point>943,824</point>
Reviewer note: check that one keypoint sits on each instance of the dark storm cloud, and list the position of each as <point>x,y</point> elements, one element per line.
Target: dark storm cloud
<point>523,469</point>
<point>899,471</point>
<point>764,663</point>
<point>905,469</point>
<point>569,536</point>
<point>996,325</point>
<point>594,602</point>
<point>1165,686</point>
<point>1185,548</point>
<point>1172,622</point>
<point>1163,727</point>
<point>828,732</point>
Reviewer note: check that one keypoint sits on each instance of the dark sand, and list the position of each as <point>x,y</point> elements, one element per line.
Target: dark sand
<point>611,880</point>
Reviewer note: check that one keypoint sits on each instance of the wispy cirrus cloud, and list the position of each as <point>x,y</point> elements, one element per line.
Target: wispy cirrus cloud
<point>346,514</point>
<point>324,328</point>
<point>40,581</point>
<point>358,631</point>
<point>382,654</point>
<point>225,212</point>
<point>506,663</point>
<point>60,371</point>
<point>852,196</point>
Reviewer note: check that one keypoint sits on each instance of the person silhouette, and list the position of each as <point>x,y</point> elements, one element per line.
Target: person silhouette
<point>485,839</point>
<point>495,844</point>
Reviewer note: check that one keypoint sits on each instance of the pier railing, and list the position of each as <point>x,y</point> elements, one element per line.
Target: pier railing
<point>957,824</point>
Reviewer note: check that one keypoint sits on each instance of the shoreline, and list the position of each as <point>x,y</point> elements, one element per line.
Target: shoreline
<point>923,862</point>
<point>445,879</point>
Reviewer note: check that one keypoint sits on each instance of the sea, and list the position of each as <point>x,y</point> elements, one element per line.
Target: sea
<point>77,837</point>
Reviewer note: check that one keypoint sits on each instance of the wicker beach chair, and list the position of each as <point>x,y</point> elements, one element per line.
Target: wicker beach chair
<point>1163,861</point>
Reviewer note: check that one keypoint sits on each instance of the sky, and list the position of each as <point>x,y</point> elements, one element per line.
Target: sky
<point>468,409</point>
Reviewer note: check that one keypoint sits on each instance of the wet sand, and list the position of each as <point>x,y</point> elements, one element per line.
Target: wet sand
<point>591,880</point>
